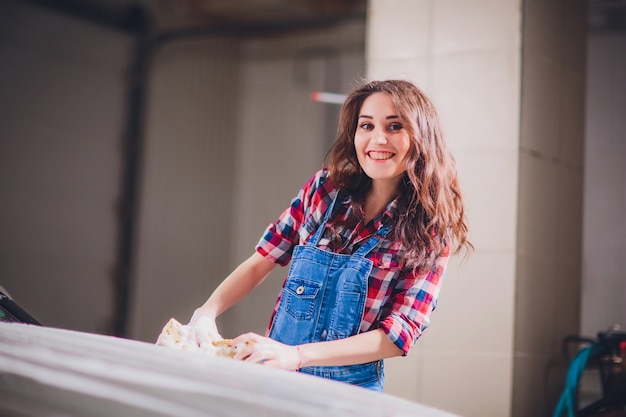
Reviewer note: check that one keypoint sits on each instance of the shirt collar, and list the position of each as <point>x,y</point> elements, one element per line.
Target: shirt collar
<point>388,213</point>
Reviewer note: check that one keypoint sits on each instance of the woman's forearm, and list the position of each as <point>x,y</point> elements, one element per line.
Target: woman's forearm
<point>247,276</point>
<point>362,348</point>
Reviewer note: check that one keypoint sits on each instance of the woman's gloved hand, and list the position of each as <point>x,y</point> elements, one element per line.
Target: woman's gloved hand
<point>258,349</point>
<point>205,328</point>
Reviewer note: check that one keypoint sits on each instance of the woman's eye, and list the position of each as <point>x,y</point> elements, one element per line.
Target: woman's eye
<point>395,126</point>
<point>366,126</point>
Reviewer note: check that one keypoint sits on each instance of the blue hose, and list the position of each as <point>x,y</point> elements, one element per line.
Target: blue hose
<point>574,373</point>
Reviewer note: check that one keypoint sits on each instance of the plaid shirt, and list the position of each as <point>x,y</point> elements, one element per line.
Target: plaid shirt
<point>398,301</point>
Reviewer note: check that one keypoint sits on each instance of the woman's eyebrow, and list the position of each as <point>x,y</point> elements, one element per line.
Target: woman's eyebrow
<point>365,116</point>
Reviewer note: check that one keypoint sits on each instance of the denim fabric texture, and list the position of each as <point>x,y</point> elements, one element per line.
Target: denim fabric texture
<point>324,299</point>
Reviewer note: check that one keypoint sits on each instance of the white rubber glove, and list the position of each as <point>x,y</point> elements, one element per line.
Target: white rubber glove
<point>205,329</point>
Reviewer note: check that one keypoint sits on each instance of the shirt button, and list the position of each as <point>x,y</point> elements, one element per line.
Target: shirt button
<point>324,334</point>
<point>300,290</point>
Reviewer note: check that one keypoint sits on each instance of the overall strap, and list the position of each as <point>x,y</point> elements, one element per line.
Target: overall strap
<point>371,243</point>
<point>320,230</point>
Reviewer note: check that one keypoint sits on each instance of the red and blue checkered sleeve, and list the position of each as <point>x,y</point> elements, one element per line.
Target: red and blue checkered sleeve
<point>413,300</point>
<point>280,238</point>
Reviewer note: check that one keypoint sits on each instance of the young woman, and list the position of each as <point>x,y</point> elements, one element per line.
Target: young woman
<point>368,239</point>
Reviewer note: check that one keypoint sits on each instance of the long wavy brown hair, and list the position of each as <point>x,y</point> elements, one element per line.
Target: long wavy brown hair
<point>431,215</point>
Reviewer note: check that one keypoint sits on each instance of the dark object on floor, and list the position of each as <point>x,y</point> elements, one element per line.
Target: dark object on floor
<point>10,311</point>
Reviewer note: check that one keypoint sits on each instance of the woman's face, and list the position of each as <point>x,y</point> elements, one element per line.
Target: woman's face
<point>381,140</point>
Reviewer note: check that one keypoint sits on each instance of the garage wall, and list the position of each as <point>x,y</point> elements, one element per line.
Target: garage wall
<point>231,136</point>
<point>62,113</point>
<point>604,227</point>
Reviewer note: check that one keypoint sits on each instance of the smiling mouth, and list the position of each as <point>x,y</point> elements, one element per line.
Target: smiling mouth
<point>380,156</point>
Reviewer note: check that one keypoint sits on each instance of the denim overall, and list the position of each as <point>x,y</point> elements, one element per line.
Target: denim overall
<point>324,299</point>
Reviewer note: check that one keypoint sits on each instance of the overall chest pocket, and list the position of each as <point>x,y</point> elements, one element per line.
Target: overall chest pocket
<point>301,297</point>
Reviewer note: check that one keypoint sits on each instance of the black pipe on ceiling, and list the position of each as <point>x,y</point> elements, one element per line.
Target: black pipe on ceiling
<point>132,19</point>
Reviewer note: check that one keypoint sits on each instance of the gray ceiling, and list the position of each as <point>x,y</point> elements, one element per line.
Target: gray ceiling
<point>150,16</point>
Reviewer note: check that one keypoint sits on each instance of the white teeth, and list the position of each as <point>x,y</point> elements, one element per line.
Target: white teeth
<point>380,155</point>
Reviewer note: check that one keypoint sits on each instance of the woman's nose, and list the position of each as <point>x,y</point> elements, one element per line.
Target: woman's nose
<point>380,136</point>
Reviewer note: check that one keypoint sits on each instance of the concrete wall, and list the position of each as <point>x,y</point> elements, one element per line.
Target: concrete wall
<point>604,279</point>
<point>549,262</point>
<point>186,186</point>
<point>62,114</point>
<point>231,136</point>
